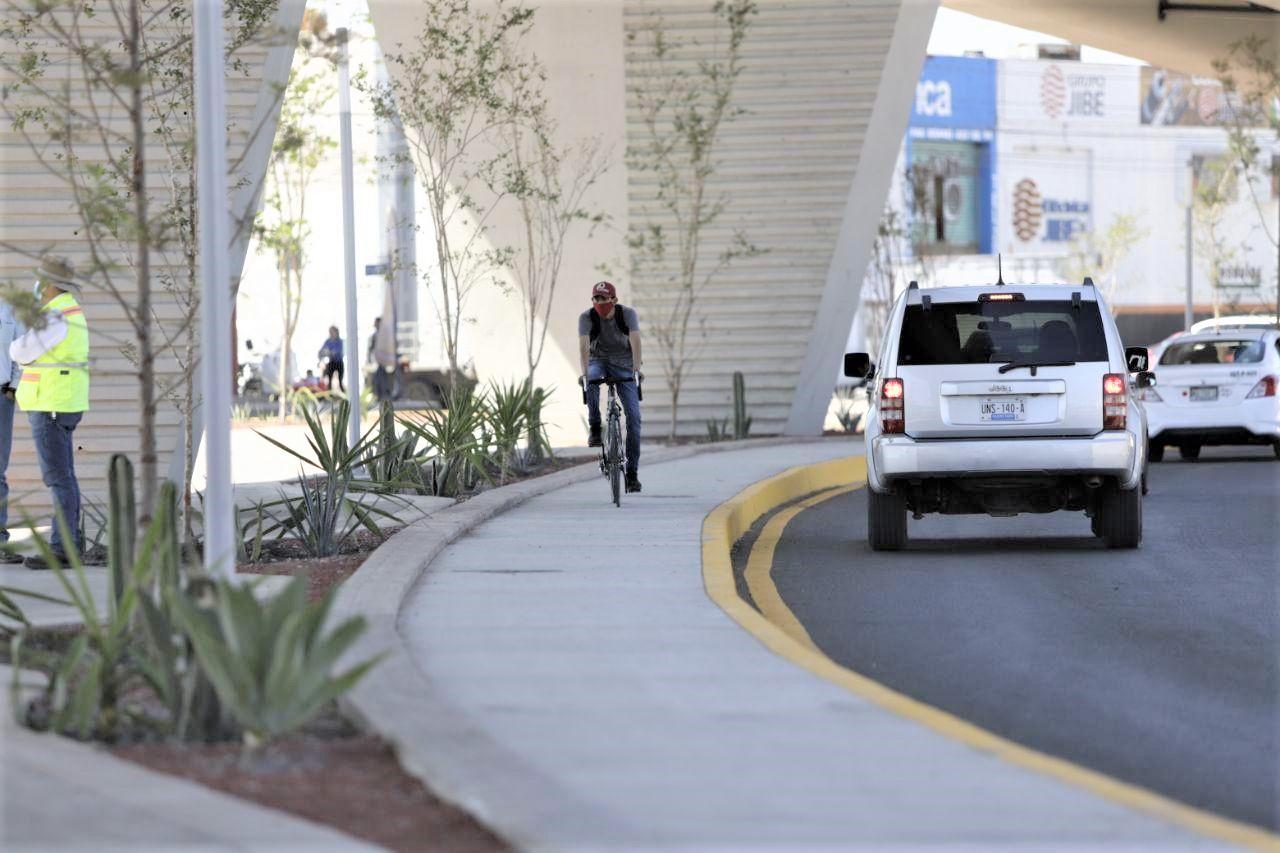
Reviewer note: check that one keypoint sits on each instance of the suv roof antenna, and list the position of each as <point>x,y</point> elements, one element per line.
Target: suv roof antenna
<point>1000,269</point>
<point>1088,281</point>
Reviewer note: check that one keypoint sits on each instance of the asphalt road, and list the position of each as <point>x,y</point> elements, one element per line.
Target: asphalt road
<point>1159,666</point>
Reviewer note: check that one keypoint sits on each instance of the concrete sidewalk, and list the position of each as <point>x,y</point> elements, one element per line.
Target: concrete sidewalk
<point>577,689</point>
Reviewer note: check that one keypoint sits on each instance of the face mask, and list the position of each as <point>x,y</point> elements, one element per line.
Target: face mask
<point>602,308</point>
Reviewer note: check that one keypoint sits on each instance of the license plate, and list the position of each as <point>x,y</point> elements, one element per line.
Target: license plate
<point>1204,393</point>
<point>1003,409</point>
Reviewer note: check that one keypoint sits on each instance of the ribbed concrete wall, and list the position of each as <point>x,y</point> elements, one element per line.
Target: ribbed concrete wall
<point>37,214</point>
<point>812,74</point>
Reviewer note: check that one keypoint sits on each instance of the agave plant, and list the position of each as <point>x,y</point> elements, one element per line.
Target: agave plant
<point>324,518</point>
<point>507,417</point>
<point>539,442</point>
<point>272,662</point>
<point>455,437</point>
<point>329,448</point>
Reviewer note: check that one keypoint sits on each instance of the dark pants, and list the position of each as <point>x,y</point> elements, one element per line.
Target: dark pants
<point>52,432</point>
<point>627,395</point>
<point>6,444</point>
<point>330,369</point>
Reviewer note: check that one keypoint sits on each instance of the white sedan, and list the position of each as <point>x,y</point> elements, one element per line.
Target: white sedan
<point>1214,388</point>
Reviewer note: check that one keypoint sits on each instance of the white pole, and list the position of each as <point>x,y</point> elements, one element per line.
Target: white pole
<point>353,350</point>
<point>215,283</point>
<point>1189,312</point>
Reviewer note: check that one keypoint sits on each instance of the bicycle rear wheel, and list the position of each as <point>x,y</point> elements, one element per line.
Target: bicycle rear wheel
<point>615,462</point>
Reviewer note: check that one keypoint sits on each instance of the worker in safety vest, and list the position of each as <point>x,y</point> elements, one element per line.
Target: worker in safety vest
<point>54,392</point>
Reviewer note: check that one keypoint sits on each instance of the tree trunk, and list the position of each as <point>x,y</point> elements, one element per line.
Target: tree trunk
<point>142,321</point>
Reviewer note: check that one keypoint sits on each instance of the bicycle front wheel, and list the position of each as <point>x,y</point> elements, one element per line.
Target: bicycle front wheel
<point>615,464</point>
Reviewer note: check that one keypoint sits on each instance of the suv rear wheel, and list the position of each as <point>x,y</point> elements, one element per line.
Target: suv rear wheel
<point>1119,518</point>
<point>886,521</point>
<point>1155,452</point>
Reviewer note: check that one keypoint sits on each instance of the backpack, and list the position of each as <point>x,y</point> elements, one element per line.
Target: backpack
<point>618,311</point>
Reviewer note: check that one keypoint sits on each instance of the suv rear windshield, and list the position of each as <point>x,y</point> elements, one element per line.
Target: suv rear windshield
<point>996,332</point>
<point>1215,352</point>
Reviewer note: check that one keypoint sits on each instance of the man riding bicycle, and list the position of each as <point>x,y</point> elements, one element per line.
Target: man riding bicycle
<point>609,347</point>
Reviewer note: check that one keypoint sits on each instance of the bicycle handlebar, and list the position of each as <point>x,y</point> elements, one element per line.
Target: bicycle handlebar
<point>613,380</point>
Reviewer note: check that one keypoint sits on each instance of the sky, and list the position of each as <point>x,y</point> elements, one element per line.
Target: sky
<point>956,32</point>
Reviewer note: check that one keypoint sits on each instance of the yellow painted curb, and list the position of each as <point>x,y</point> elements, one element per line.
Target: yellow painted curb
<point>783,634</point>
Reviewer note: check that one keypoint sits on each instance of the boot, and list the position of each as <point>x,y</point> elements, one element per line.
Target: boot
<point>633,482</point>
<point>593,437</point>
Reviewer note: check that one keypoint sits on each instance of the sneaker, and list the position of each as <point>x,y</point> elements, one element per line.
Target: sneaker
<point>37,563</point>
<point>593,438</point>
<point>633,483</point>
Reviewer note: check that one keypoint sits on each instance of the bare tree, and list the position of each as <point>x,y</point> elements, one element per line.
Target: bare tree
<point>89,85</point>
<point>1100,254</point>
<point>549,182</point>
<point>683,103</point>
<point>1250,78</point>
<point>282,228</point>
<point>447,87</point>
<point>1216,191</point>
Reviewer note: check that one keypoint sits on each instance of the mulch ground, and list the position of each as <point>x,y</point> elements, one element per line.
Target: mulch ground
<point>350,782</point>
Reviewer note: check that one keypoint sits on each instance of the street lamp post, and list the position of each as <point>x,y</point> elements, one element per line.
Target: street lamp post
<point>215,285</point>
<point>349,236</point>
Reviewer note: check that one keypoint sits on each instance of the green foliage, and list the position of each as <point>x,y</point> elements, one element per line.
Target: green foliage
<point>272,662</point>
<point>328,443</point>
<point>845,415</point>
<point>324,518</point>
<point>167,628</point>
<point>507,417</point>
<point>718,430</point>
<point>741,420</point>
<point>459,454</point>
<point>539,442</point>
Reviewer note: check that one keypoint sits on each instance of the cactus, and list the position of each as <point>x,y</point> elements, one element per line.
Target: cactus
<point>741,421</point>
<point>122,527</point>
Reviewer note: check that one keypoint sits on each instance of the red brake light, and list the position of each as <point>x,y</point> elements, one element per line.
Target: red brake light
<point>892,411</point>
<point>1115,403</point>
<point>1266,387</point>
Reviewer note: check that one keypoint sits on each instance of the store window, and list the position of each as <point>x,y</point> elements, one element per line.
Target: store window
<point>943,180</point>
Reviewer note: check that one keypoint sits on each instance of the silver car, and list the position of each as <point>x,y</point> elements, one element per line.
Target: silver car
<point>1001,400</point>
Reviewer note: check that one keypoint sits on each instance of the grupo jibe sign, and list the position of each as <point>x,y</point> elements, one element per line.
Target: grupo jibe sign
<point>1035,92</point>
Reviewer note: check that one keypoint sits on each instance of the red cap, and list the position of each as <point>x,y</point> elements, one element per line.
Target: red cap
<point>604,288</point>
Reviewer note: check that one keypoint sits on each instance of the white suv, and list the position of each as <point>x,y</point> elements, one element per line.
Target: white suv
<point>1004,399</point>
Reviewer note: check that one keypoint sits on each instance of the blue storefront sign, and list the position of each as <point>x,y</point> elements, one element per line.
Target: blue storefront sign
<point>955,94</point>
<point>950,153</point>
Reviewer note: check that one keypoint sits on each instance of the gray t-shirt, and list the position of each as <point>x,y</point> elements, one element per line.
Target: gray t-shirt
<point>611,346</point>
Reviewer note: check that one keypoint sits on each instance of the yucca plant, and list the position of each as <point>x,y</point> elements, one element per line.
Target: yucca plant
<point>272,662</point>
<point>539,442</point>
<point>328,442</point>
<point>324,518</point>
<point>395,461</point>
<point>454,436</point>
<point>506,414</point>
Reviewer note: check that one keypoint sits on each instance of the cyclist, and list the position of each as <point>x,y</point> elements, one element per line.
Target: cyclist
<point>609,347</point>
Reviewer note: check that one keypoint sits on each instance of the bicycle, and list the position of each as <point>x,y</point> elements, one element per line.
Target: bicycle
<point>613,456</point>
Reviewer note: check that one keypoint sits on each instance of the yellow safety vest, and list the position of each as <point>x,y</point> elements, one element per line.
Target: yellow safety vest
<point>58,381</point>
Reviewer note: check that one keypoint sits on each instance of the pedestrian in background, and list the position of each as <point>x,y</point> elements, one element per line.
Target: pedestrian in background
<point>54,392</point>
<point>331,355</point>
<point>10,329</point>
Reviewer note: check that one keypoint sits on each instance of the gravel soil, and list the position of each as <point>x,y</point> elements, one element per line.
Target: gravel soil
<point>350,782</point>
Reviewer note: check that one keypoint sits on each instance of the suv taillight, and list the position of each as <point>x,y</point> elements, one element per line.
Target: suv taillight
<point>1115,403</point>
<point>892,412</point>
<point>1266,387</point>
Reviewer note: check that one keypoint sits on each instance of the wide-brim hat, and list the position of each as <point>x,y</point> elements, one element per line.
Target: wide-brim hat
<point>58,270</point>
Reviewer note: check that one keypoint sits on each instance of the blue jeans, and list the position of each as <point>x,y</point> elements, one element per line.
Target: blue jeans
<point>52,432</point>
<point>630,398</point>
<point>6,444</point>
